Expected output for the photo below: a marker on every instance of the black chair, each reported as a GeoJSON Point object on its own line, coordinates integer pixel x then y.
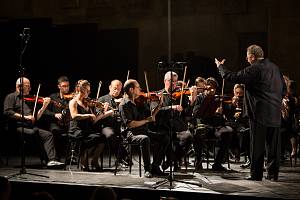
{"type": "Point", "coordinates": [74, 151]}
{"type": "Point", "coordinates": [209, 144]}
{"type": "Point", "coordinates": [130, 146]}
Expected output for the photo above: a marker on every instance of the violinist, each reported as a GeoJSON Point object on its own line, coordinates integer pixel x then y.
{"type": "Point", "coordinates": [171, 119]}
{"type": "Point", "coordinates": [207, 111]}
{"type": "Point", "coordinates": [13, 112]}
{"type": "Point", "coordinates": [111, 121]}
{"type": "Point", "coordinates": [136, 119]}
{"type": "Point", "coordinates": [82, 128]}
{"type": "Point", "coordinates": [58, 112]}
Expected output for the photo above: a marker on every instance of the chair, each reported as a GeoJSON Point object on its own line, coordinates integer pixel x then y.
{"type": "Point", "coordinates": [208, 144]}
{"type": "Point", "coordinates": [294, 164]}
{"type": "Point", "coordinates": [130, 145]}
{"type": "Point", "coordinates": [73, 153]}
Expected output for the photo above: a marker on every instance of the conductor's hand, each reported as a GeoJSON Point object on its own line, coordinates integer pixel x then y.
{"type": "Point", "coordinates": [218, 63]}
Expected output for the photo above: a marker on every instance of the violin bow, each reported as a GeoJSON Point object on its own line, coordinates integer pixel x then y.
{"type": "Point", "coordinates": [187, 84]}
{"type": "Point", "coordinates": [127, 75]}
{"type": "Point", "coordinates": [146, 81]}
{"type": "Point", "coordinates": [36, 99]}
{"type": "Point", "coordinates": [182, 86]}
{"type": "Point", "coordinates": [99, 86]}
{"type": "Point", "coordinates": [155, 111]}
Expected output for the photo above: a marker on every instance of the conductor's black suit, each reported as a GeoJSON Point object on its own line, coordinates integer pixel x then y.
{"type": "Point", "coordinates": [265, 88]}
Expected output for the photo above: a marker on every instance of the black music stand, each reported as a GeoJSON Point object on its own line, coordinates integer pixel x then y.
{"type": "Point", "coordinates": [25, 36]}
{"type": "Point", "coordinates": [170, 178]}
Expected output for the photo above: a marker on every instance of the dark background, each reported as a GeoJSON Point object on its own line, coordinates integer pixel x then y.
{"type": "Point", "coordinates": [103, 39]}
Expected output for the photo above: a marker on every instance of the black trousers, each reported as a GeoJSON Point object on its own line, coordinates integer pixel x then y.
{"type": "Point", "coordinates": [264, 138]}
{"type": "Point", "coordinates": [59, 137]}
{"type": "Point", "coordinates": [161, 142]}
{"type": "Point", "coordinates": [46, 138]}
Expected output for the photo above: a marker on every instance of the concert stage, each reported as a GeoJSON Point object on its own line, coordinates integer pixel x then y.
{"type": "Point", "coordinates": [74, 184]}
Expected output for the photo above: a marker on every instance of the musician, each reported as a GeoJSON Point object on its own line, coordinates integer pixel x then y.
{"type": "Point", "coordinates": [111, 121]}
{"type": "Point", "coordinates": [171, 120]}
{"type": "Point", "coordinates": [290, 114]}
{"type": "Point", "coordinates": [240, 124]}
{"type": "Point", "coordinates": [58, 112]}
{"type": "Point", "coordinates": [13, 112]}
{"type": "Point", "coordinates": [200, 84]}
{"type": "Point", "coordinates": [207, 111]}
{"type": "Point", "coordinates": [265, 88]}
{"type": "Point", "coordinates": [134, 116]}
{"type": "Point", "coordinates": [82, 127]}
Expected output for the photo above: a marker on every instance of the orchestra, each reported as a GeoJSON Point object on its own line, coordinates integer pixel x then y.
{"type": "Point", "coordinates": [184, 115]}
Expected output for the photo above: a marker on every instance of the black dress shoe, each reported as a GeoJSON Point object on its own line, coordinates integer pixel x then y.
{"type": "Point", "coordinates": [250, 178]}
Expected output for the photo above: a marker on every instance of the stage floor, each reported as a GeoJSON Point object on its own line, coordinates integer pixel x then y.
{"type": "Point", "coordinates": [225, 184]}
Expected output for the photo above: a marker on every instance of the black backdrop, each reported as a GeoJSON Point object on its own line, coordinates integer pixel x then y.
{"type": "Point", "coordinates": [79, 51]}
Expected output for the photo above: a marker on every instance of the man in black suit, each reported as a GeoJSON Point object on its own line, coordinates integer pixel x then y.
{"type": "Point", "coordinates": [265, 88]}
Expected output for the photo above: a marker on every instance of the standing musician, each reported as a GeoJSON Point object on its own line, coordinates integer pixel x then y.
{"type": "Point", "coordinates": [171, 119]}
{"type": "Point", "coordinates": [13, 112]}
{"type": "Point", "coordinates": [134, 116]}
{"type": "Point", "coordinates": [81, 126]}
{"type": "Point", "coordinates": [58, 110]}
{"type": "Point", "coordinates": [208, 112]}
{"type": "Point", "coordinates": [111, 121]}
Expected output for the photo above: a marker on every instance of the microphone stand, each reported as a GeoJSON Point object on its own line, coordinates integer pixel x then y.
{"type": "Point", "coordinates": [170, 178]}
{"type": "Point", "coordinates": [25, 38]}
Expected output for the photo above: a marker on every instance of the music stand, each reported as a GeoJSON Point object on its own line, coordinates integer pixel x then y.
{"type": "Point", "coordinates": [170, 178]}
{"type": "Point", "coordinates": [25, 36]}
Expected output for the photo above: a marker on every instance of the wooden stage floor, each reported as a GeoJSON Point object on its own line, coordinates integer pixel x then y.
{"type": "Point", "coordinates": [215, 185]}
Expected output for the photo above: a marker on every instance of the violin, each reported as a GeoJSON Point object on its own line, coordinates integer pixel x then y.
{"type": "Point", "coordinates": [146, 97]}
{"type": "Point", "coordinates": [40, 100]}
{"type": "Point", "coordinates": [93, 103]}
{"type": "Point", "coordinates": [186, 91]}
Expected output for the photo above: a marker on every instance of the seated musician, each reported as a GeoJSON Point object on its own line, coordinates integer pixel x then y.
{"type": "Point", "coordinates": [200, 84]}
{"type": "Point", "coordinates": [134, 116]}
{"type": "Point", "coordinates": [207, 111]}
{"type": "Point", "coordinates": [110, 123]}
{"type": "Point", "coordinates": [58, 113]}
{"type": "Point", "coordinates": [240, 124]}
{"type": "Point", "coordinates": [290, 116]}
{"type": "Point", "coordinates": [13, 111]}
{"type": "Point", "coordinates": [171, 120]}
{"type": "Point", "coordinates": [82, 127]}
